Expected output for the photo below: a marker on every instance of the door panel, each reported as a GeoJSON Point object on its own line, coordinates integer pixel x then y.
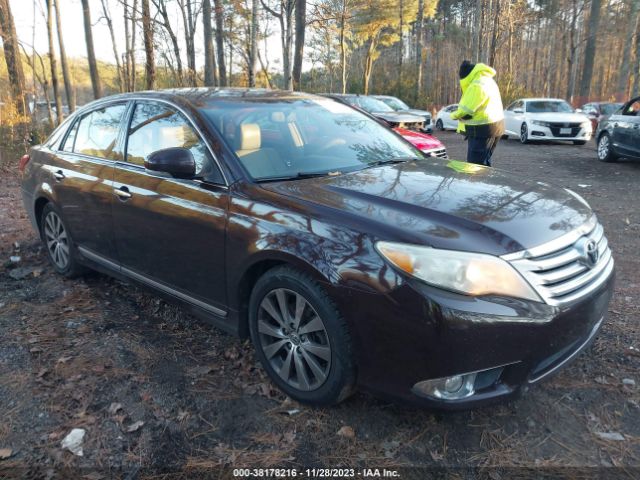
{"type": "Point", "coordinates": [83, 177]}
{"type": "Point", "coordinates": [170, 231]}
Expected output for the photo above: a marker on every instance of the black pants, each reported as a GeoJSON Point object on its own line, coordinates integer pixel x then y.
{"type": "Point", "coordinates": [480, 149]}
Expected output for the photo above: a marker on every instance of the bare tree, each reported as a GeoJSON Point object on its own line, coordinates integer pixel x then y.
{"type": "Point", "coordinates": [219, 14]}
{"type": "Point", "coordinates": [12, 55]}
{"type": "Point", "coordinates": [623, 74]}
{"type": "Point", "coordinates": [284, 15]}
{"type": "Point", "coordinates": [189, 20]}
{"type": "Point", "coordinates": [107, 16]}
{"type": "Point", "coordinates": [161, 6]}
{"type": "Point", "coordinates": [91, 56]}
{"type": "Point", "coordinates": [66, 76]}
{"type": "Point", "coordinates": [253, 43]}
{"type": "Point", "coordinates": [53, 63]}
{"type": "Point", "coordinates": [147, 33]}
{"type": "Point", "coordinates": [590, 50]}
{"type": "Point", "coordinates": [210, 77]}
{"type": "Point", "coordinates": [301, 26]}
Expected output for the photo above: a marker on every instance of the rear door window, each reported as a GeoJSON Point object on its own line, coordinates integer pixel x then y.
{"type": "Point", "coordinates": [97, 133]}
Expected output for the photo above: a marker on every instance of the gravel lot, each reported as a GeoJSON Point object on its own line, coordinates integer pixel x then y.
{"type": "Point", "coordinates": [158, 392]}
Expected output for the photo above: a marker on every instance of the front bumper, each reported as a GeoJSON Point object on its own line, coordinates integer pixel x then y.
{"type": "Point", "coordinates": [538, 132]}
{"type": "Point", "coordinates": [419, 333]}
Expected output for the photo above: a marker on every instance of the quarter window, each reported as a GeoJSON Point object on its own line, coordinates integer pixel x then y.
{"type": "Point", "coordinates": [156, 127]}
{"type": "Point", "coordinates": [97, 133]}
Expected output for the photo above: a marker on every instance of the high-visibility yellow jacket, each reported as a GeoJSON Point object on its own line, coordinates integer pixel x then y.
{"type": "Point", "coordinates": [480, 112]}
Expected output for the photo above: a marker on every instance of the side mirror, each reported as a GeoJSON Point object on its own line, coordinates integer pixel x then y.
{"type": "Point", "coordinates": [177, 161]}
{"type": "Point", "coordinates": [518, 110]}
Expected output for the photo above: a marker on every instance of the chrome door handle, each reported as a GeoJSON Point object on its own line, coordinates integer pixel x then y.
{"type": "Point", "coordinates": [122, 193]}
{"type": "Point", "coordinates": [59, 175]}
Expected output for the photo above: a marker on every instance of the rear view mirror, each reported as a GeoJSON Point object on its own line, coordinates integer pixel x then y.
{"type": "Point", "coordinates": [177, 161]}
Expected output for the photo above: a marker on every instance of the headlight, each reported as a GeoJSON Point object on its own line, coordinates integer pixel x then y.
{"type": "Point", "coordinates": [463, 272]}
{"type": "Point", "coordinates": [586, 126]}
{"type": "Point", "coordinates": [538, 122]}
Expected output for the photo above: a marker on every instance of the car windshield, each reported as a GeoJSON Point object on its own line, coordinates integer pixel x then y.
{"type": "Point", "coordinates": [610, 108]}
{"type": "Point", "coordinates": [296, 137]}
{"type": "Point", "coordinates": [395, 103]}
{"type": "Point", "coordinates": [369, 104]}
{"type": "Point", "coordinates": [549, 106]}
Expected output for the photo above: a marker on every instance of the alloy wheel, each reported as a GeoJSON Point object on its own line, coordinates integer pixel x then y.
{"type": "Point", "coordinates": [56, 240]}
{"type": "Point", "coordinates": [524, 134]}
{"type": "Point", "coordinates": [294, 339]}
{"type": "Point", "coordinates": [603, 147]}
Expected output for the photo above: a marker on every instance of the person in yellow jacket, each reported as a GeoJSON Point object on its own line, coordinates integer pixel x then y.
{"type": "Point", "coordinates": [480, 113]}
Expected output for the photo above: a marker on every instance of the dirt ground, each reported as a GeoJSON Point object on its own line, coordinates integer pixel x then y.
{"type": "Point", "coordinates": [159, 393]}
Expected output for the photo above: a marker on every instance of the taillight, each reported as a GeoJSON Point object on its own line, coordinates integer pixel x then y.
{"type": "Point", "coordinates": [23, 162]}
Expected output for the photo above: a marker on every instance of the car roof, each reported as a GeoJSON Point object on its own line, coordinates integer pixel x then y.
{"type": "Point", "coordinates": [542, 99]}
{"type": "Point", "coordinates": [199, 95]}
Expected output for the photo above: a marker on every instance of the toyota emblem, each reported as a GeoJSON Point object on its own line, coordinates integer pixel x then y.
{"type": "Point", "coordinates": [591, 253]}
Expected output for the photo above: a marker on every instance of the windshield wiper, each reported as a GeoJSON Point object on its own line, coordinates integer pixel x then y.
{"type": "Point", "coordinates": [391, 161]}
{"type": "Point", "coordinates": [297, 176]}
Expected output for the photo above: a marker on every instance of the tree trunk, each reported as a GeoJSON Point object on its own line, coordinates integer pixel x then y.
{"type": "Point", "coordinates": [253, 43]}
{"type": "Point", "coordinates": [418, 52]}
{"type": "Point", "coordinates": [636, 68]}
{"type": "Point", "coordinates": [623, 74]}
{"type": "Point", "coordinates": [343, 46]}
{"type": "Point", "coordinates": [590, 51]}
{"type": "Point", "coordinates": [301, 20]}
{"type": "Point", "coordinates": [161, 6]}
{"type": "Point", "coordinates": [368, 65]}
{"type": "Point", "coordinates": [12, 55]}
{"type": "Point", "coordinates": [132, 47]}
{"type": "Point", "coordinates": [400, 48]}
{"type": "Point", "coordinates": [147, 33]}
{"type": "Point", "coordinates": [91, 56]}
{"type": "Point", "coordinates": [209, 57]}
{"type": "Point", "coordinates": [66, 76]}
{"type": "Point", "coordinates": [53, 63]}
{"type": "Point", "coordinates": [219, 14]}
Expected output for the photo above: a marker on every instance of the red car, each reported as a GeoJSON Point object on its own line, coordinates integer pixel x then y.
{"type": "Point", "coordinates": [426, 143]}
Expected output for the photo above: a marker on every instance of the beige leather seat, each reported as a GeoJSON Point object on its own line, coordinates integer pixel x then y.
{"type": "Point", "coordinates": [261, 162]}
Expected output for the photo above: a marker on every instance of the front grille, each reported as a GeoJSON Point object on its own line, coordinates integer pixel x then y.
{"type": "Point", "coordinates": [412, 125]}
{"type": "Point", "coordinates": [437, 152]}
{"type": "Point", "coordinates": [556, 126]}
{"type": "Point", "coordinates": [561, 271]}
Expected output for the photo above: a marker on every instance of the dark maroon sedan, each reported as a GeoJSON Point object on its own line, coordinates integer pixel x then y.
{"type": "Point", "coordinates": [347, 256]}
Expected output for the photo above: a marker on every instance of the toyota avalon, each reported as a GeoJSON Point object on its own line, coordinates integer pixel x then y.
{"type": "Point", "coordinates": [349, 258]}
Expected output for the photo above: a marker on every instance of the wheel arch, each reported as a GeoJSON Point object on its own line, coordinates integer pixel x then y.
{"type": "Point", "coordinates": [260, 264]}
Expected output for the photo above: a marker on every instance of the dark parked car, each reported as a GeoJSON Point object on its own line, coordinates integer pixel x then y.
{"type": "Point", "coordinates": [381, 111]}
{"type": "Point", "coordinates": [399, 106]}
{"type": "Point", "coordinates": [599, 111]}
{"type": "Point", "coordinates": [348, 257]}
{"type": "Point", "coordinates": [619, 135]}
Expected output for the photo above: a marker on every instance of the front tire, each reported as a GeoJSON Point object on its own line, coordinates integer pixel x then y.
{"type": "Point", "coordinates": [58, 243]}
{"type": "Point", "coordinates": [439, 125]}
{"type": "Point", "coordinates": [524, 134]}
{"type": "Point", "coordinates": [300, 338]}
{"type": "Point", "coordinates": [605, 150]}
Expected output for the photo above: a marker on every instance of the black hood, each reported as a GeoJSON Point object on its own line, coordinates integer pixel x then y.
{"type": "Point", "coordinates": [452, 205]}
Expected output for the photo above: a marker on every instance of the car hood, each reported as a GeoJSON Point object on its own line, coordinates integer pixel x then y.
{"type": "Point", "coordinates": [398, 117]}
{"type": "Point", "coordinates": [420, 113]}
{"type": "Point", "coordinates": [560, 117]}
{"type": "Point", "coordinates": [444, 204]}
{"type": "Point", "coordinates": [422, 141]}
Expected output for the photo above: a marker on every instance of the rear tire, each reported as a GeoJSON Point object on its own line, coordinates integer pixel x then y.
{"type": "Point", "coordinates": [300, 338]}
{"type": "Point", "coordinates": [605, 150]}
{"type": "Point", "coordinates": [524, 134]}
{"type": "Point", "coordinates": [439, 125]}
{"type": "Point", "coordinates": [58, 243]}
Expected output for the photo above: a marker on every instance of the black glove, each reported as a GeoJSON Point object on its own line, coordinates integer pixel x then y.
{"type": "Point", "coordinates": [467, 117]}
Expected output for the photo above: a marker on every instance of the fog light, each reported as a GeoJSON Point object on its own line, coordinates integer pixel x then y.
{"type": "Point", "coordinates": [448, 388]}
